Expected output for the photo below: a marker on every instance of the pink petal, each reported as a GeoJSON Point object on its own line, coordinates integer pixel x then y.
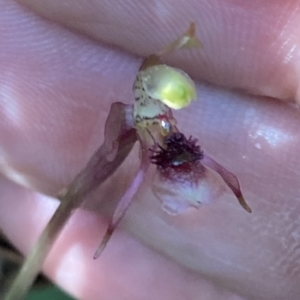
{"type": "Point", "coordinates": [229, 178]}
{"type": "Point", "coordinates": [120, 136]}
{"type": "Point", "coordinates": [179, 190]}
{"type": "Point", "coordinates": [125, 201]}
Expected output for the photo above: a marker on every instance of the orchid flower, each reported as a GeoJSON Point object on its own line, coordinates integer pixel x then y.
{"type": "Point", "coordinates": [185, 177]}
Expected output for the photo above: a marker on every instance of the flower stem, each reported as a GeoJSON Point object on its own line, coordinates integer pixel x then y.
{"type": "Point", "coordinates": [120, 137]}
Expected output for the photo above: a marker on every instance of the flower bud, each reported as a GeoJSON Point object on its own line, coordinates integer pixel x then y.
{"type": "Point", "coordinates": [171, 86]}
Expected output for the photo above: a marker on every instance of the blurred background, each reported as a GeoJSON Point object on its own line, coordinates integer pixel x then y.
{"type": "Point", "coordinates": [10, 262]}
{"type": "Point", "coordinates": [51, 292]}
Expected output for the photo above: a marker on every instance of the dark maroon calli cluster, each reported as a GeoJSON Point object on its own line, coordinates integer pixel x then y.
{"type": "Point", "coordinates": [178, 151]}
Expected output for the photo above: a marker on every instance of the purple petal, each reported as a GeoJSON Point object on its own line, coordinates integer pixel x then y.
{"type": "Point", "coordinates": [125, 201]}
{"type": "Point", "coordinates": [180, 187]}
{"type": "Point", "coordinates": [120, 136]}
{"type": "Point", "coordinates": [230, 179]}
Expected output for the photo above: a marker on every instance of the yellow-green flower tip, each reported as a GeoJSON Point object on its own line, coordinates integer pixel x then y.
{"type": "Point", "coordinates": [170, 85]}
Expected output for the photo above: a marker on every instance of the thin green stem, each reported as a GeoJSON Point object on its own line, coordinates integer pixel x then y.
{"type": "Point", "coordinates": [119, 139]}
{"type": "Point", "coordinates": [37, 256]}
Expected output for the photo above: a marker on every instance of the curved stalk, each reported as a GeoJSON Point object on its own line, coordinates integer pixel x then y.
{"type": "Point", "coordinates": [119, 138]}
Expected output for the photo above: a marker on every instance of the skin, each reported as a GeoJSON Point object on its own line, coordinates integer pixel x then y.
{"type": "Point", "coordinates": [56, 86]}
